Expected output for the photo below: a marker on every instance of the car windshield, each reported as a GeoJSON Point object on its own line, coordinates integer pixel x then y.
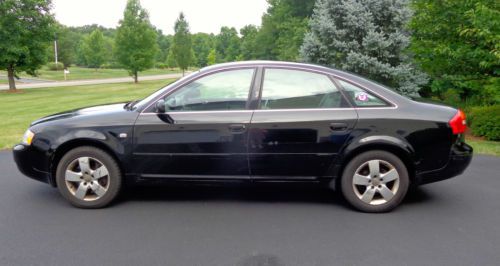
{"type": "Point", "coordinates": [146, 100]}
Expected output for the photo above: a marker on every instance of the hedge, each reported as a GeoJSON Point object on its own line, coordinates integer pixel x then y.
{"type": "Point", "coordinates": [485, 122]}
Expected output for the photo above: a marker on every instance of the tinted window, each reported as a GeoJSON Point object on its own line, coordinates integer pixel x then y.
{"type": "Point", "coordinates": [294, 89]}
{"type": "Point", "coordinates": [221, 91]}
{"type": "Point", "coordinates": [359, 96]}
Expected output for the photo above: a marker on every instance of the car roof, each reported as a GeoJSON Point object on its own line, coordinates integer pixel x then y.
{"type": "Point", "coordinates": [266, 63]}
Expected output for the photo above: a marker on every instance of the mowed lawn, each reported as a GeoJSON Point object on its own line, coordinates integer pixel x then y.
{"type": "Point", "coordinates": [80, 73]}
{"type": "Point", "coordinates": [18, 110]}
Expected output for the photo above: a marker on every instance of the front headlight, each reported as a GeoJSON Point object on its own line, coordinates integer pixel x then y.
{"type": "Point", "coordinates": [28, 137]}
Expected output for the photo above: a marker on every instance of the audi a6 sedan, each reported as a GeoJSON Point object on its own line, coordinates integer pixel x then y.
{"type": "Point", "coordinates": [252, 122]}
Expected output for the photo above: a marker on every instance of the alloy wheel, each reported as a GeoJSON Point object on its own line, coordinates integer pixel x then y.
{"type": "Point", "coordinates": [376, 182]}
{"type": "Point", "coordinates": [87, 178]}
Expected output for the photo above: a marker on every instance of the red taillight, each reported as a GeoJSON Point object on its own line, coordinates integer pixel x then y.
{"type": "Point", "coordinates": [458, 123]}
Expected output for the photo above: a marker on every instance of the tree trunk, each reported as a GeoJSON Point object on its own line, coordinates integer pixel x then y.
{"type": "Point", "coordinates": [183, 70]}
{"type": "Point", "coordinates": [12, 82]}
{"type": "Point", "coordinates": [136, 79]}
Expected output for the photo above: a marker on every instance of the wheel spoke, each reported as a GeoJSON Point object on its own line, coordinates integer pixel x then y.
{"type": "Point", "coordinates": [386, 193]}
{"type": "Point", "coordinates": [361, 180]}
{"type": "Point", "coordinates": [73, 176]}
{"type": "Point", "coordinates": [81, 191]}
{"type": "Point", "coordinates": [98, 189]}
{"type": "Point", "coordinates": [83, 162]}
{"type": "Point", "coordinates": [100, 172]}
{"type": "Point", "coordinates": [390, 176]}
{"type": "Point", "coordinates": [368, 195]}
{"type": "Point", "coordinates": [374, 166]}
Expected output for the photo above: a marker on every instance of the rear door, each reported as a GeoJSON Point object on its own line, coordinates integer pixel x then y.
{"type": "Point", "coordinates": [299, 126]}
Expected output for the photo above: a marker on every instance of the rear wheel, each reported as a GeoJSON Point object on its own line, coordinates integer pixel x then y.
{"type": "Point", "coordinates": [88, 177]}
{"type": "Point", "coordinates": [375, 181]}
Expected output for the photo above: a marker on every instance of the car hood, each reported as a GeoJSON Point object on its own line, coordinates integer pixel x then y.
{"type": "Point", "coordinates": [93, 110]}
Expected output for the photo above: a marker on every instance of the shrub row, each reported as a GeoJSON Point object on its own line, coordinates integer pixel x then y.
{"type": "Point", "coordinates": [485, 121]}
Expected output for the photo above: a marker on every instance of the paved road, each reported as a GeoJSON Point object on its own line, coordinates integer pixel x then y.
{"type": "Point", "coordinates": [26, 80]}
{"type": "Point", "coordinates": [455, 222]}
{"type": "Point", "coordinates": [89, 82]}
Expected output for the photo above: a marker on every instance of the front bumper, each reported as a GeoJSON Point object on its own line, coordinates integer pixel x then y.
{"type": "Point", "coordinates": [460, 158]}
{"type": "Point", "coordinates": [29, 161]}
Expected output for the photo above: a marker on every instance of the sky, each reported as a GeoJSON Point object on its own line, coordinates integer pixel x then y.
{"type": "Point", "coordinates": [203, 15]}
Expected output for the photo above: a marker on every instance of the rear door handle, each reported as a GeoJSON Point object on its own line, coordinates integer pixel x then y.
{"type": "Point", "coordinates": [338, 126]}
{"type": "Point", "coordinates": [237, 128]}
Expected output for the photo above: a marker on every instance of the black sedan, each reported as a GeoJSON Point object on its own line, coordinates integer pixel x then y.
{"type": "Point", "coordinates": [252, 122]}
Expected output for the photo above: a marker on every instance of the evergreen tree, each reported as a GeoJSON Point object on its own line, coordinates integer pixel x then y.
{"type": "Point", "coordinates": [135, 41]}
{"type": "Point", "coordinates": [26, 32]}
{"type": "Point", "coordinates": [182, 49]}
{"type": "Point", "coordinates": [94, 49]}
{"type": "Point", "coordinates": [368, 37]}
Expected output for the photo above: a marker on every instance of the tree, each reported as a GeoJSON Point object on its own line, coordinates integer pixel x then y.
{"type": "Point", "coordinates": [202, 45]}
{"type": "Point", "coordinates": [212, 57]}
{"type": "Point", "coordinates": [164, 43]}
{"type": "Point", "coordinates": [458, 45]}
{"type": "Point", "coordinates": [367, 37]}
{"type": "Point", "coordinates": [94, 49]}
{"type": "Point", "coordinates": [135, 42]}
{"type": "Point", "coordinates": [249, 43]}
{"type": "Point", "coordinates": [67, 43]}
{"type": "Point", "coordinates": [283, 28]}
{"type": "Point", "coordinates": [26, 31]}
{"type": "Point", "coordinates": [227, 44]}
{"type": "Point", "coordinates": [171, 63]}
{"type": "Point", "coordinates": [182, 49]}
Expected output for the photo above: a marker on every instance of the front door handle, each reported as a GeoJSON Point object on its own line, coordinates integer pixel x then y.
{"type": "Point", "coordinates": [338, 126]}
{"type": "Point", "coordinates": [237, 128]}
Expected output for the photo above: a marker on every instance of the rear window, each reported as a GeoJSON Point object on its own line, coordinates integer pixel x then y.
{"type": "Point", "coordinates": [360, 97]}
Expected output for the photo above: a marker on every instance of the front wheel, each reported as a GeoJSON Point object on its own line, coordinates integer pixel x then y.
{"type": "Point", "coordinates": [375, 181]}
{"type": "Point", "coordinates": [88, 177]}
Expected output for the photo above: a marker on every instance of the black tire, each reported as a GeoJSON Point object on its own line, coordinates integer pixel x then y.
{"type": "Point", "coordinates": [348, 189]}
{"type": "Point", "coordinates": [114, 176]}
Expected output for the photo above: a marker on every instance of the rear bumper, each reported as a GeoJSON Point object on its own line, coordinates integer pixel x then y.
{"type": "Point", "coordinates": [460, 158]}
{"type": "Point", "coordinates": [27, 159]}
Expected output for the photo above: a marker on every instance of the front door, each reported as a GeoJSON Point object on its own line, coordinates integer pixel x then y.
{"type": "Point", "coordinates": [299, 127]}
{"type": "Point", "coordinates": [202, 134]}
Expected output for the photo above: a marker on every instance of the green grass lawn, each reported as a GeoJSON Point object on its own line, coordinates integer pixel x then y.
{"type": "Point", "coordinates": [485, 147]}
{"type": "Point", "coordinates": [18, 110]}
{"type": "Point", "coordinates": [80, 73]}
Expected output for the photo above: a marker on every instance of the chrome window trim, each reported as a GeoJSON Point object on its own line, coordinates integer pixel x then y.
{"type": "Point", "coordinates": [273, 110]}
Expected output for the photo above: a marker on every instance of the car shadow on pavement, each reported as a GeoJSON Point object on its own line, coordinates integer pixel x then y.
{"type": "Point", "coordinates": [271, 193]}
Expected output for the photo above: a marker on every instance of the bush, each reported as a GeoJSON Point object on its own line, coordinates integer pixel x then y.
{"type": "Point", "coordinates": [161, 65]}
{"type": "Point", "coordinates": [55, 67]}
{"type": "Point", "coordinates": [485, 122]}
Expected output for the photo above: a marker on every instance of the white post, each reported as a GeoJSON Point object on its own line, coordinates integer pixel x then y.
{"type": "Point", "coordinates": [55, 49]}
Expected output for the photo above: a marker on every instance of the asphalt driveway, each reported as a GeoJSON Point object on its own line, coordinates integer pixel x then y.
{"type": "Point", "coordinates": [455, 222]}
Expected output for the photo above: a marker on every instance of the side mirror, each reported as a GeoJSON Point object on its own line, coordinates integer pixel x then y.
{"type": "Point", "coordinates": [160, 106]}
